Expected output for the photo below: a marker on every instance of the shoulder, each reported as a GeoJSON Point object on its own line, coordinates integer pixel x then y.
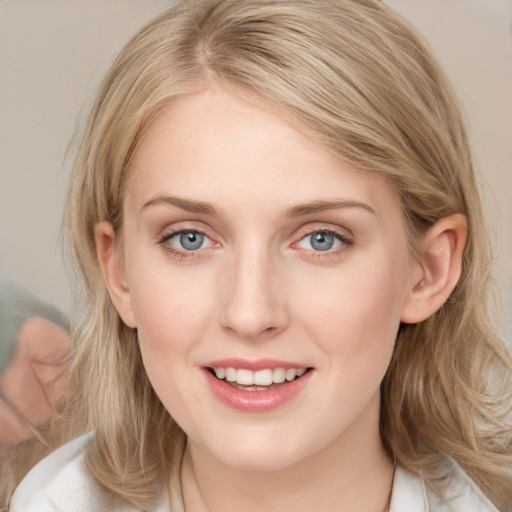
{"type": "Point", "coordinates": [411, 494]}
{"type": "Point", "coordinates": [58, 483]}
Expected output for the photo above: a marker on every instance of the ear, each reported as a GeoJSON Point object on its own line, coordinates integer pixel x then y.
{"type": "Point", "coordinates": [437, 270]}
{"type": "Point", "coordinates": [113, 271]}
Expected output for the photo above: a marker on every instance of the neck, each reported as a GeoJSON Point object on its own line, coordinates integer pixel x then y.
{"type": "Point", "coordinates": [352, 473]}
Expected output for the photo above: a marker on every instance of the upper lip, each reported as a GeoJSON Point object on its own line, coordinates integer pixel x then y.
{"type": "Point", "coordinates": [259, 364]}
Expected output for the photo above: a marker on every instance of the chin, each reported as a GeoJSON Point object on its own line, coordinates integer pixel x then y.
{"type": "Point", "coordinates": [259, 451]}
{"type": "Point", "coordinates": [256, 460]}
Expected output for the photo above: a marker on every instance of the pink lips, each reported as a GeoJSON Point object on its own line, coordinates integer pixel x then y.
{"type": "Point", "coordinates": [254, 401]}
{"type": "Point", "coordinates": [260, 364]}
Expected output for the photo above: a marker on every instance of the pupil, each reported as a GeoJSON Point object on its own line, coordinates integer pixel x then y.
{"type": "Point", "coordinates": [322, 241]}
{"type": "Point", "coordinates": [191, 240]}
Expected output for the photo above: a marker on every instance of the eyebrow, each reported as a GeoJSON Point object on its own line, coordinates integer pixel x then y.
{"type": "Point", "coordinates": [320, 206]}
{"type": "Point", "coordinates": [183, 204]}
{"type": "Point", "coordinates": [297, 211]}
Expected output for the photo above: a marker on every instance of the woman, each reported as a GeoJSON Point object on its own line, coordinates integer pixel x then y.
{"type": "Point", "coordinates": [275, 217]}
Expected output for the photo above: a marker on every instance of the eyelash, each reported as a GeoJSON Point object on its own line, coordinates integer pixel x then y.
{"type": "Point", "coordinates": [179, 255]}
{"type": "Point", "coordinates": [345, 242]}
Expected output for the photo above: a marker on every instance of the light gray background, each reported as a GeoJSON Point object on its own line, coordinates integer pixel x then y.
{"type": "Point", "coordinates": [53, 54]}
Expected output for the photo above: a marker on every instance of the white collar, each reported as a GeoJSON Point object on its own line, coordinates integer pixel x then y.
{"type": "Point", "coordinates": [60, 482]}
{"type": "Point", "coordinates": [409, 494]}
{"type": "Point", "coordinates": [459, 493]}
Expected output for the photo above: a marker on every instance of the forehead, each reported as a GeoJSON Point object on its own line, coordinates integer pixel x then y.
{"type": "Point", "coordinates": [214, 146]}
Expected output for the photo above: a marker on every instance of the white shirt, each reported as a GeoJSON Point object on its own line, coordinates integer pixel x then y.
{"type": "Point", "coordinates": [60, 483]}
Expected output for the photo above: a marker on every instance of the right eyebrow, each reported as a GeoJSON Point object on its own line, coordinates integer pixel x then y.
{"type": "Point", "coordinates": [320, 206]}
{"type": "Point", "coordinates": [182, 203]}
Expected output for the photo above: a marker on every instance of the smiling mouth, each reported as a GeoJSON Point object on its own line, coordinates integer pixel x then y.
{"type": "Point", "coordinates": [260, 380]}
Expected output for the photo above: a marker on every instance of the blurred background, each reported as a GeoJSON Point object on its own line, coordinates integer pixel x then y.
{"type": "Point", "coordinates": [53, 54]}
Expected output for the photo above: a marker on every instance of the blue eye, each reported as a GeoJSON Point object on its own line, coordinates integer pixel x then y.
{"type": "Point", "coordinates": [186, 244]}
{"type": "Point", "coordinates": [322, 241]}
{"type": "Point", "coordinates": [188, 240]}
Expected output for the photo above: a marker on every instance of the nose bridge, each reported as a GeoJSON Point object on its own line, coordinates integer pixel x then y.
{"type": "Point", "coordinates": [253, 304]}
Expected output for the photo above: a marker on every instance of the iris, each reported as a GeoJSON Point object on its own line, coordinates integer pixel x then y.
{"type": "Point", "coordinates": [322, 241]}
{"type": "Point", "coordinates": [191, 240]}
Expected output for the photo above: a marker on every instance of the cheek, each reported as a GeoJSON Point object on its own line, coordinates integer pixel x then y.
{"type": "Point", "coordinates": [165, 299]}
{"type": "Point", "coordinates": [355, 314]}
{"type": "Point", "coordinates": [167, 332]}
{"type": "Point", "coordinates": [167, 323]}
{"type": "Point", "coordinates": [361, 296]}
{"type": "Point", "coordinates": [172, 313]}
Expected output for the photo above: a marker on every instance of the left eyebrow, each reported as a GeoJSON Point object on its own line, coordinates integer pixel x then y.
{"type": "Point", "coordinates": [320, 206]}
{"type": "Point", "coordinates": [182, 203]}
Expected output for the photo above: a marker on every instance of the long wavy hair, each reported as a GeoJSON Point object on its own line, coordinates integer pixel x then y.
{"type": "Point", "coordinates": [356, 77]}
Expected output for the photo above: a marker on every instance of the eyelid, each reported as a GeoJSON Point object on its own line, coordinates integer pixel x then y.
{"type": "Point", "coordinates": [165, 235]}
{"type": "Point", "coordinates": [177, 227]}
{"type": "Point", "coordinates": [341, 233]}
{"type": "Point", "coordinates": [346, 241]}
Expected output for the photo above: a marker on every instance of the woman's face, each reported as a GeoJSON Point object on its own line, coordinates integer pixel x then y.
{"type": "Point", "coordinates": [251, 255]}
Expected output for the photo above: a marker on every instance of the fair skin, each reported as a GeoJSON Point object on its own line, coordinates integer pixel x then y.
{"type": "Point", "coordinates": [244, 239]}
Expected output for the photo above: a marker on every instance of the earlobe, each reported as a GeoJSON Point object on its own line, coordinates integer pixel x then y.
{"type": "Point", "coordinates": [113, 271]}
{"type": "Point", "coordinates": [438, 268]}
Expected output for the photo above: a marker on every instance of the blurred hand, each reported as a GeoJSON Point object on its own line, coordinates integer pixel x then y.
{"type": "Point", "coordinates": [35, 381]}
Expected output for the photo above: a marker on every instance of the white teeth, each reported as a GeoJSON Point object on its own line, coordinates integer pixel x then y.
{"type": "Point", "coordinates": [279, 375]}
{"type": "Point", "coordinates": [220, 372]}
{"type": "Point", "coordinates": [245, 377]}
{"type": "Point", "coordinates": [231, 374]}
{"type": "Point", "coordinates": [265, 377]}
{"type": "Point", "coordinates": [291, 373]}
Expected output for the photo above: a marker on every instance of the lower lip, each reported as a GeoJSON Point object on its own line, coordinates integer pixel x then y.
{"type": "Point", "coordinates": [256, 401]}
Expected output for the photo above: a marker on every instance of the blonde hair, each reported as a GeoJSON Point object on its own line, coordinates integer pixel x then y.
{"type": "Point", "coordinates": [355, 77]}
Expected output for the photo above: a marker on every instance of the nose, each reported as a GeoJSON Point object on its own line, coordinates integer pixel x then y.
{"type": "Point", "coordinates": [254, 302]}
